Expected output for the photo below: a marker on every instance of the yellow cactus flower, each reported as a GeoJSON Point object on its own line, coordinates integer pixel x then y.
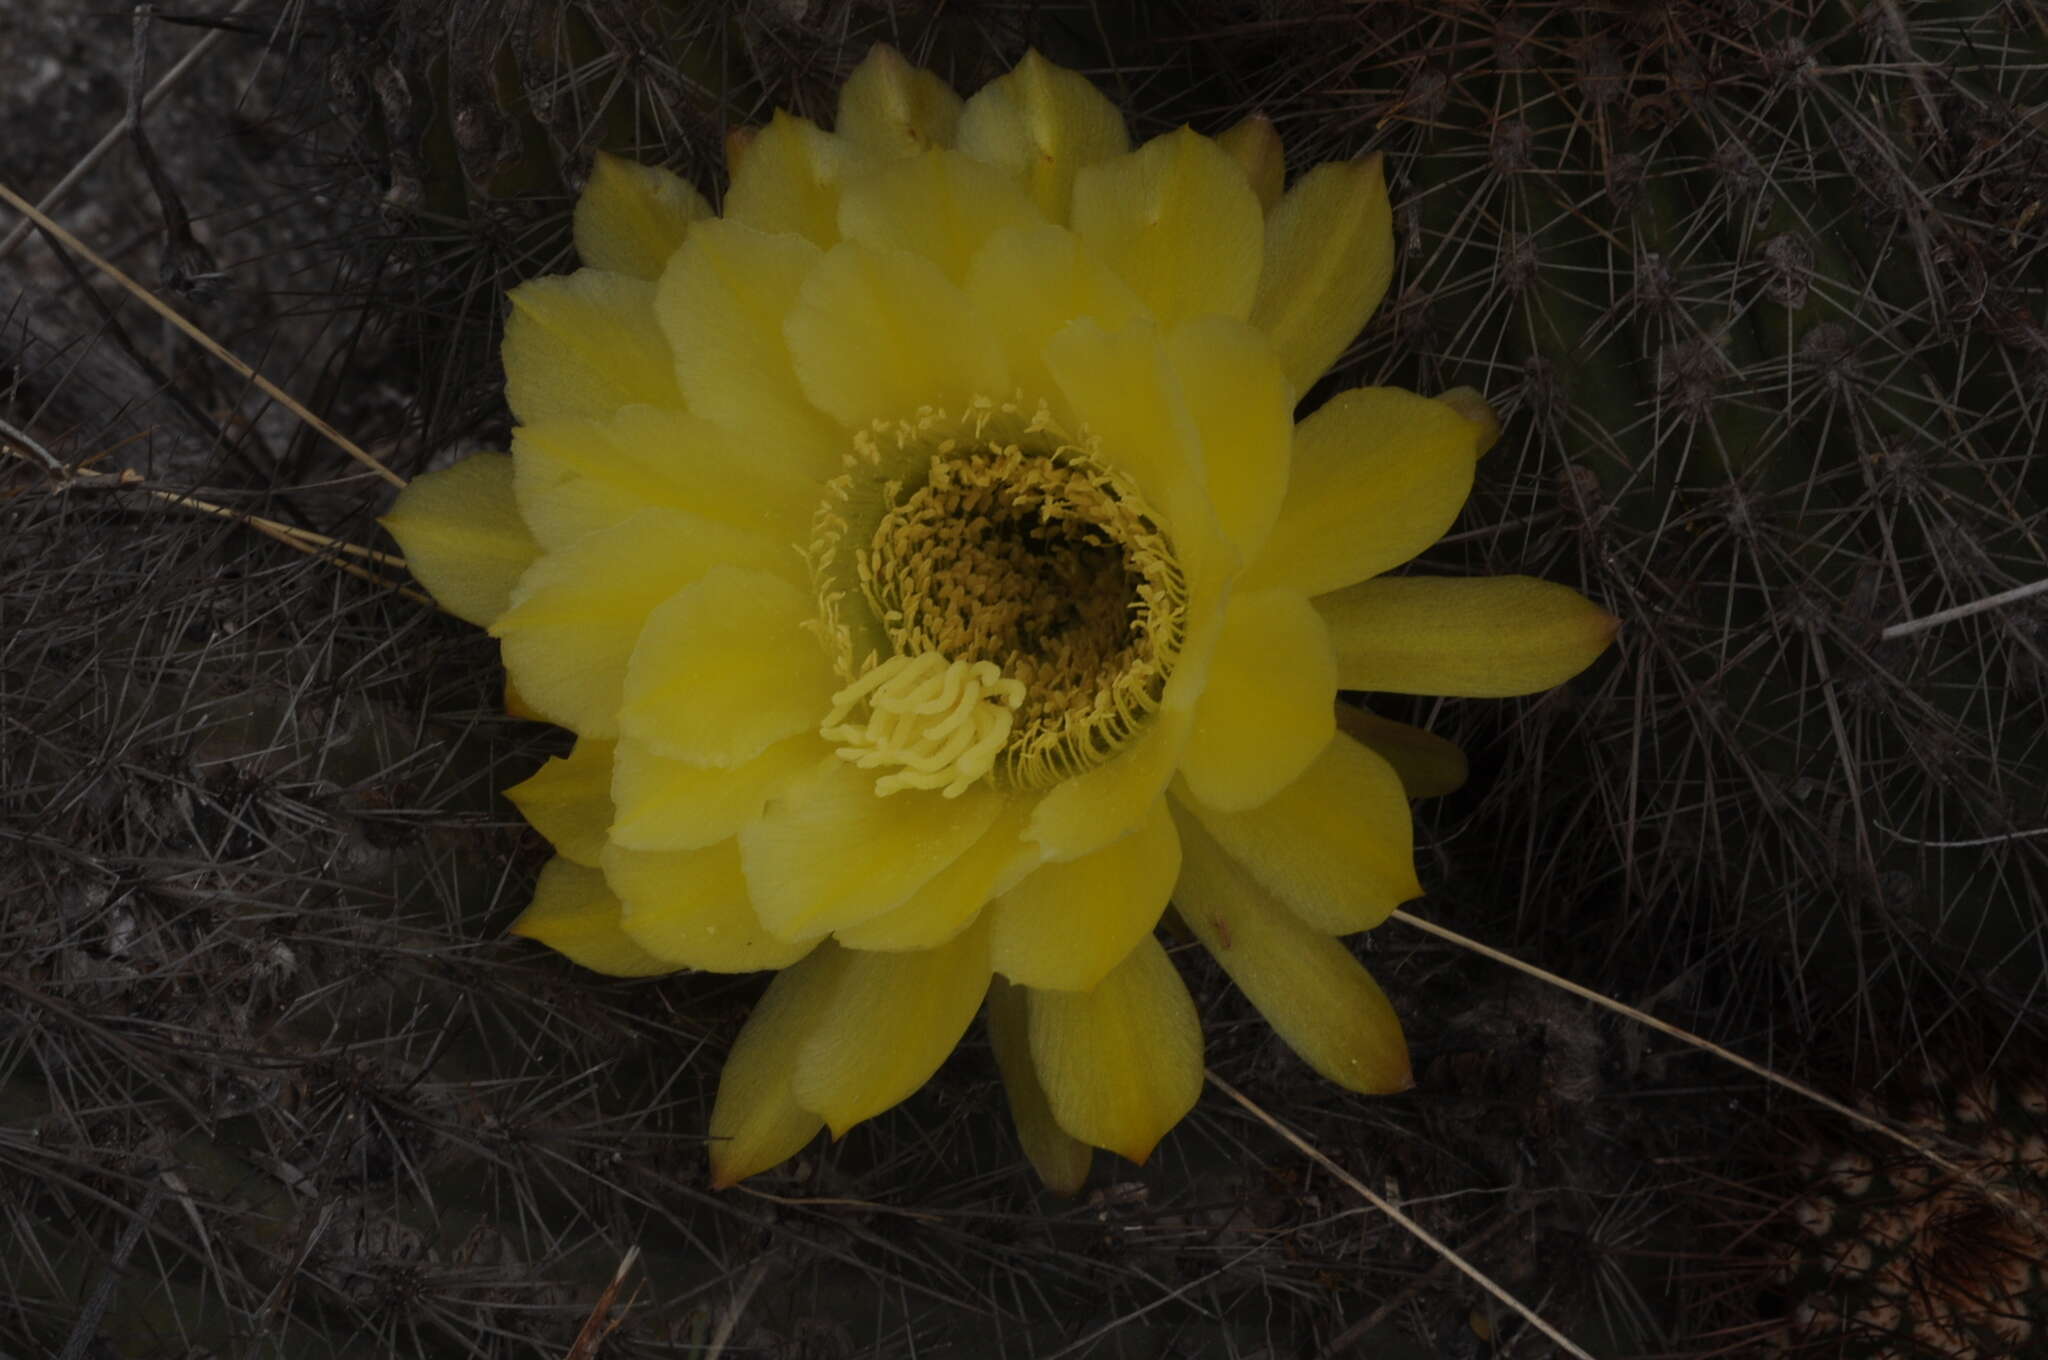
{"type": "Point", "coordinates": [926, 557]}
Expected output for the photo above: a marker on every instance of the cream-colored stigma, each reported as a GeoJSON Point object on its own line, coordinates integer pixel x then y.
{"type": "Point", "coordinates": [941, 723]}
{"type": "Point", "coordinates": [1001, 599]}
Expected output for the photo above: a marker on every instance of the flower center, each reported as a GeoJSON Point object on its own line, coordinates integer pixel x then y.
{"type": "Point", "coordinates": [999, 600]}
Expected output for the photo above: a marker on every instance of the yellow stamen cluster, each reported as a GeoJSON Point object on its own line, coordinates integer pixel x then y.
{"type": "Point", "coordinates": [992, 551]}
{"type": "Point", "coordinates": [942, 723]}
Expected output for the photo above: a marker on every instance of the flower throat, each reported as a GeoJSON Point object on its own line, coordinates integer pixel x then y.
{"type": "Point", "coordinates": [999, 601]}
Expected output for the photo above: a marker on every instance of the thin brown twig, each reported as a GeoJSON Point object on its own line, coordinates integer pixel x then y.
{"type": "Point", "coordinates": [1409, 1225]}
{"type": "Point", "coordinates": [817, 1202]}
{"type": "Point", "coordinates": [303, 540]}
{"type": "Point", "coordinates": [1964, 611]}
{"type": "Point", "coordinates": [198, 336]}
{"type": "Point", "coordinates": [601, 1324]}
{"type": "Point", "coordinates": [1344, 1340]}
{"type": "Point", "coordinates": [1849, 1112]}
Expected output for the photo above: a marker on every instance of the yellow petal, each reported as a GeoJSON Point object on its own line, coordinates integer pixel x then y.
{"type": "Point", "coordinates": [1042, 123]}
{"type": "Point", "coordinates": [889, 108]}
{"type": "Point", "coordinates": [574, 477]}
{"type": "Point", "coordinates": [569, 800]}
{"type": "Point", "coordinates": [585, 344]}
{"type": "Point", "coordinates": [1311, 990]}
{"type": "Point", "coordinates": [575, 914]}
{"type": "Point", "coordinates": [462, 536]}
{"type": "Point", "coordinates": [941, 205]}
{"type": "Point", "coordinates": [1470, 403]}
{"type": "Point", "coordinates": [1428, 765]}
{"type": "Point", "coordinates": [725, 669]}
{"type": "Point", "coordinates": [828, 852]}
{"type": "Point", "coordinates": [951, 899]}
{"type": "Point", "coordinates": [1337, 846]}
{"type": "Point", "coordinates": [1265, 713]}
{"type": "Point", "coordinates": [721, 303]}
{"type": "Point", "coordinates": [1479, 637]}
{"type": "Point", "coordinates": [1244, 409]}
{"type": "Point", "coordinates": [1091, 810]}
{"type": "Point", "coordinates": [1177, 221]}
{"type": "Point", "coordinates": [877, 335]}
{"type": "Point", "coordinates": [1031, 281]}
{"type": "Point", "coordinates": [1123, 1063]}
{"type": "Point", "coordinates": [665, 804]}
{"type": "Point", "coordinates": [1255, 146]}
{"type": "Point", "coordinates": [1120, 385]}
{"type": "Point", "coordinates": [1060, 1159]}
{"type": "Point", "coordinates": [631, 217]}
{"type": "Point", "coordinates": [577, 613]}
{"type": "Point", "coordinates": [756, 1122]}
{"type": "Point", "coordinates": [789, 179]}
{"type": "Point", "coordinates": [516, 707]}
{"type": "Point", "coordinates": [690, 907]}
{"type": "Point", "coordinates": [1329, 251]}
{"type": "Point", "coordinates": [1378, 475]}
{"type": "Point", "coordinates": [1066, 925]}
{"type": "Point", "coordinates": [890, 1022]}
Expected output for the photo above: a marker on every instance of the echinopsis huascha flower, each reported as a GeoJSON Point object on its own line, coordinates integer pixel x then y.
{"type": "Point", "coordinates": [925, 555]}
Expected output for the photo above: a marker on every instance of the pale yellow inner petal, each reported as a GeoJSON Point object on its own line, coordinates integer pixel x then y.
{"type": "Point", "coordinates": [1120, 385]}
{"type": "Point", "coordinates": [574, 477]}
{"type": "Point", "coordinates": [892, 1019]}
{"type": "Point", "coordinates": [1254, 144]}
{"type": "Point", "coordinates": [463, 536]}
{"type": "Point", "coordinates": [1178, 222]}
{"type": "Point", "coordinates": [1043, 123]}
{"type": "Point", "coordinates": [1243, 407]}
{"type": "Point", "coordinates": [691, 908]}
{"type": "Point", "coordinates": [725, 669]}
{"type": "Point", "coordinates": [585, 344]}
{"type": "Point", "coordinates": [721, 303]}
{"type": "Point", "coordinates": [756, 1121]}
{"type": "Point", "coordinates": [568, 800]}
{"type": "Point", "coordinates": [1060, 1159]}
{"type": "Point", "coordinates": [1105, 804]}
{"type": "Point", "coordinates": [577, 613]}
{"type": "Point", "coordinates": [828, 853]}
{"type": "Point", "coordinates": [1379, 474]}
{"type": "Point", "coordinates": [1265, 713]}
{"type": "Point", "coordinates": [575, 914]}
{"type": "Point", "coordinates": [939, 204]}
{"type": "Point", "coordinates": [1066, 925]}
{"type": "Point", "coordinates": [788, 180]}
{"type": "Point", "coordinates": [951, 899]}
{"type": "Point", "coordinates": [876, 334]}
{"type": "Point", "coordinates": [665, 804]}
{"type": "Point", "coordinates": [1030, 281]}
{"type": "Point", "coordinates": [889, 108]}
{"type": "Point", "coordinates": [1311, 990]}
{"type": "Point", "coordinates": [1329, 251]}
{"type": "Point", "coordinates": [1121, 1064]}
{"type": "Point", "coordinates": [1336, 845]}
{"type": "Point", "coordinates": [631, 217]}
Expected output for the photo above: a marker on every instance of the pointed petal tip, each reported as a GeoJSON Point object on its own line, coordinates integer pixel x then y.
{"type": "Point", "coordinates": [1470, 403]}
{"type": "Point", "coordinates": [724, 1175]}
{"type": "Point", "coordinates": [1137, 1154]}
{"type": "Point", "coordinates": [737, 143]}
{"type": "Point", "coordinates": [1384, 1074]}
